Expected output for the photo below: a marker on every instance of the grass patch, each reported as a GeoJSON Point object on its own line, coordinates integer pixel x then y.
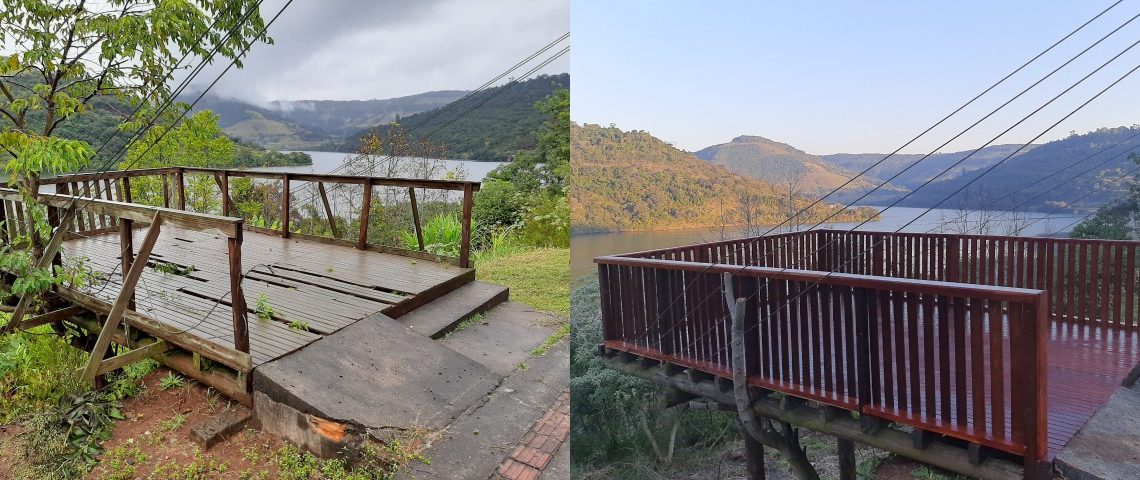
{"type": "Point", "coordinates": [170, 381]}
{"type": "Point", "coordinates": [552, 340]}
{"type": "Point", "coordinates": [538, 277]}
{"type": "Point", "coordinates": [464, 325]}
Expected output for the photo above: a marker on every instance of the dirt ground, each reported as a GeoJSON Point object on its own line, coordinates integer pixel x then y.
{"type": "Point", "coordinates": [154, 441]}
{"type": "Point", "coordinates": [870, 464]}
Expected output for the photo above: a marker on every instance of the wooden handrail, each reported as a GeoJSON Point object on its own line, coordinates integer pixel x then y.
{"type": "Point", "coordinates": [228, 226]}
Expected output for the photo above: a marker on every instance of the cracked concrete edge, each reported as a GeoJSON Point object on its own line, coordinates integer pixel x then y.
{"type": "Point", "coordinates": [533, 390]}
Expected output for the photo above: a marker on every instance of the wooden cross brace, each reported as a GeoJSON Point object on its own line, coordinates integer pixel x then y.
{"type": "Point", "coordinates": [97, 365]}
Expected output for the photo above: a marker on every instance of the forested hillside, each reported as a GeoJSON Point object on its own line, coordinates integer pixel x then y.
{"type": "Point", "coordinates": [776, 162]}
{"type": "Point", "coordinates": [634, 181]}
{"type": "Point", "coordinates": [1061, 192]}
{"type": "Point", "coordinates": [494, 131]}
{"type": "Point", "coordinates": [304, 124]}
{"type": "Point", "coordinates": [924, 170]}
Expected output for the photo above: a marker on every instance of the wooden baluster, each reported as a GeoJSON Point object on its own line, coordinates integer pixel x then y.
{"type": "Point", "coordinates": [127, 196]}
{"type": "Point", "coordinates": [365, 208]}
{"type": "Point", "coordinates": [237, 295]}
{"type": "Point", "coordinates": [110, 195]}
{"type": "Point", "coordinates": [416, 217]}
{"type": "Point", "coordinates": [285, 205]}
{"type": "Point", "coordinates": [465, 240]}
{"type": "Point", "coordinates": [328, 210]}
{"type": "Point", "coordinates": [165, 190]}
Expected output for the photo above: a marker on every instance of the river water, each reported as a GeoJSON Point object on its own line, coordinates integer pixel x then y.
{"type": "Point", "coordinates": [584, 247]}
{"type": "Point", "coordinates": [325, 162]}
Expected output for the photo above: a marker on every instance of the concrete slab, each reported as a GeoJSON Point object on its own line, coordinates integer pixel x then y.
{"type": "Point", "coordinates": [440, 316]}
{"type": "Point", "coordinates": [478, 442]}
{"type": "Point", "coordinates": [1108, 446]}
{"type": "Point", "coordinates": [377, 374]}
{"type": "Point", "coordinates": [505, 337]}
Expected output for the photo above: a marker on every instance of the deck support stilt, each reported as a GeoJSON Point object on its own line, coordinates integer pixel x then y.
{"type": "Point", "coordinates": [846, 450]}
{"type": "Point", "coordinates": [120, 306]}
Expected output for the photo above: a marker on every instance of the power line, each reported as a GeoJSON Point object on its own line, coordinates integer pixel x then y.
{"type": "Point", "coordinates": [674, 301]}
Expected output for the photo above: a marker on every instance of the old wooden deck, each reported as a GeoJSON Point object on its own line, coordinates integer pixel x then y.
{"type": "Point", "coordinates": [318, 286]}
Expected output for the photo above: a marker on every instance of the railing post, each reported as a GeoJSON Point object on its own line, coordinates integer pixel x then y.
{"type": "Point", "coordinates": [180, 177]}
{"type": "Point", "coordinates": [285, 205]}
{"type": "Point", "coordinates": [362, 242]}
{"type": "Point", "coordinates": [953, 258]}
{"type": "Point", "coordinates": [165, 190]}
{"type": "Point", "coordinates": [465, 240]}
{"type": "Point", "coordinates": [416, 217]}
{"type": "Point", "coordinates": [224, 185]}
{"type": "Point", "coordinates": [237, 296]}
{"type": "Point", "coordinates": [127, 196]}
{"type": "Point", "coordinates": [1028, 333]}
{"type": "Point", "coordinates": [863, 321]}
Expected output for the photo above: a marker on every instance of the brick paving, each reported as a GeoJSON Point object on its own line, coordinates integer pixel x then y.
{"type": "Point", "coordinates": [539, 445]}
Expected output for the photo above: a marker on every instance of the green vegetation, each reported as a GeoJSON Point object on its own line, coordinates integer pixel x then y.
{"type": "Point", "coordinates": [618, 417]}
{"type": "Point", "coordinates": [633, 181]}
{"type": "Point", "coordinates": [538, 277]}
{"type": "Point", "coordinates": [558, 336]}
{"type": "Point", "coordinates": [442, 235]}
{"type": "Point", "coordinates": [171, 381]}
{"type": "Point", "coordinates": [495, 131]}
{"type": "Point", "coordinates": [300, 325]}
{"type": "Point", "coordinates": [376, 462]}
{"type": "Point", "coordinates": [262, 308]}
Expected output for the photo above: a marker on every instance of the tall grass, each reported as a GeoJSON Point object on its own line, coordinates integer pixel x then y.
{"type": "Point", "coordinates": [442, 235]}
{"type": "Point", "coordinates": [37, 370]}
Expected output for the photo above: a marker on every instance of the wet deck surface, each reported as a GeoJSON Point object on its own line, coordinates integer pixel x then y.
{"type": "Point", "coordinates": [318, 286]}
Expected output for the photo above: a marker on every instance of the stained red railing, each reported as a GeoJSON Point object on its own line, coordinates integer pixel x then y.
{"type": "Point", "coordinates": [964, 360]}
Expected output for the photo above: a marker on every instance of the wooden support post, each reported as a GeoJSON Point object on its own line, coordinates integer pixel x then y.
{"type": "Point", "coordinates": [54, 222]}
{"type": "Point", "coordinates": [166, 191]}
{"type": "Point", "coordinates": [51, 317]}
{"type": "Point", "coordinates": [365, 208]}
{"type": "Point", "coordinates": [846, 458]}
{"type": "Point", "coordinates": [224, 186]}
{"type": "Point", "coordinates": [149, 350]}
{"type": "Point", "coordinates": [978, 453]}
{"type": "Point", "coordinates": [120, 306]}
{"type": "Point", "coordinates": [753, 458]}
{"type": "Point", "coordinates": [328, 209]}
{"type": "Point", "coordinates": [128, 197]}
{"type": "Point", "coordinates": [416, 217]}
{"type": "Point", "coordinates": [127, 250]}
{"type": "Point", "coordinates": [285, 205]}
{"type": "Point", "coordinates": [920, 439]}
{"type": "Point", "coordinates": [180, 177]}
{"type": "Point", "coordinates": [465, 240]}
{"type": "Point", "coordinates": [4, 221]}
{"type": "Point", "coordinates": [237, 297]}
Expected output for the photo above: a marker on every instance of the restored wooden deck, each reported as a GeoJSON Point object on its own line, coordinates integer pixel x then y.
{"type": "Point", "coordinates": [324, 287]}
{"type": "Point", "coordinates": [1002, 343]}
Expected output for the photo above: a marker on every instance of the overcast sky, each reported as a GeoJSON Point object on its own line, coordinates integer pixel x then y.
{"type": "Point", "coordinates": [364, 49]}
{"type": "Point", "coordinates": [846, 76]}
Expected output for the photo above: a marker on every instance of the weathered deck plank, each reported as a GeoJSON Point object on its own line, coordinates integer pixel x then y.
{"type": "Point", "coordinates": [327, 287]}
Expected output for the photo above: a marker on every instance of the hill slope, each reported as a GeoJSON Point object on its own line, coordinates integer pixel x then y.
{"type": "Point", "coordinates": [315, 123]}
{"type": "Point", "coordinates": [776, 162]}
{"type": "Point", "coordinates": [494, 131]}
{"type": "Point", "coordinates": [634, 181]}
{"type": "Point", "coordinates": [923, 171]}
{"type": "Point", "coordinates": [1058, 192]}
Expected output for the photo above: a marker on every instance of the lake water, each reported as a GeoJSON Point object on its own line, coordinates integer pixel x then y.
{"type": "Point", "coordinates": [325, 162]}
{"type": "Point", "coordinates": [584, 247]}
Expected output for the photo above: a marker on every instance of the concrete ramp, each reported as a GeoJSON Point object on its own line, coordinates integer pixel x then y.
{"type": "Point", "coordinates": [375, 374]}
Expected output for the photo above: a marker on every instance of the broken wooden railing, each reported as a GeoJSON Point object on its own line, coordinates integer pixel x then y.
{"type": "Point", "coordinates": [117, 186]}
{"type": "Point", "coordinates": [74, 215]}
{"type": "Point", "coordinates": [966, 361]}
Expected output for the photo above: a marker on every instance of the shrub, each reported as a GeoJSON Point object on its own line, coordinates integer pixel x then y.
{"type": "Point", "coordinates": [497, 205]}
{"type": "Point", "coordinates": [547, 222]}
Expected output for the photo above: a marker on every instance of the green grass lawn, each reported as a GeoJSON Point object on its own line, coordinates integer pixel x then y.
{"type": "Point", "coordinates": [539, 277]}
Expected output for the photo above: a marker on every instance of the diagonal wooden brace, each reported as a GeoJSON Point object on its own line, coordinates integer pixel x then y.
{"type": "Point", "coordinates": [52, 248]}
{"type": "Point", "coordinates": [115, 317]}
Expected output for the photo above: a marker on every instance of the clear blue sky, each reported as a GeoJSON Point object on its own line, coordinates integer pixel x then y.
{"type": "Point", "coordinates": [850, 76]}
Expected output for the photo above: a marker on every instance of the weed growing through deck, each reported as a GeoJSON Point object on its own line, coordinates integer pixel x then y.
{"type": "Point", "coordinates": [299, 325]}
{"type": "Point", "coordinates": [262, 307]}
{"type": "Point", "coordinates": [169, 268]}
{"type": "Point", "coordinates": [170, 381]}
